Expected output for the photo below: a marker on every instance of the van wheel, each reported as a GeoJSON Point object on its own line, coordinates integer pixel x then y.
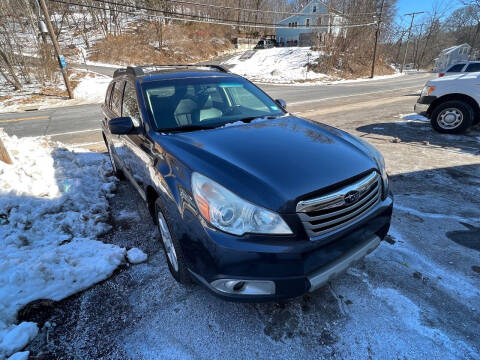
{"type": "Point", "coordinates": [452, 117]}
{"type": "Point", "coordinates": [171, 247]}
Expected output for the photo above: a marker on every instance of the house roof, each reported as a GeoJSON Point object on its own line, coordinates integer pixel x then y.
{"type": "Point", "coordinates": [452, 49]}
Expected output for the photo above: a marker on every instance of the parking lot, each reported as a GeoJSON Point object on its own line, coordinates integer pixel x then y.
{"type": "Point", "coordinates": [417, 296]}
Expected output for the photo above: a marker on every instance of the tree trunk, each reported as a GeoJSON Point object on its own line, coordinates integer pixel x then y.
{"type": "Point", "coordinates": [4, 154]}
{"type": "Point", "coordinates": [14, 81]}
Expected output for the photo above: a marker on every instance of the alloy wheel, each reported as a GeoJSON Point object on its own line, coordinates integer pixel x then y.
{"type": "Point", "coordinates": [167, 241]}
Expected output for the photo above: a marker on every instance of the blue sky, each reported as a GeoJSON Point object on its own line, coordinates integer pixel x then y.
{"type": "Point", "coordinates": [408, 6]}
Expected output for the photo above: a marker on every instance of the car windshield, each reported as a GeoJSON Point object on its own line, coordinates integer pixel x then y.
{"type": "Point", "coordinates": [200, 103]}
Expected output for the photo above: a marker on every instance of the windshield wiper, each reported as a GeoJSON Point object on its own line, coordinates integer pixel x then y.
{"type": "Point", "coordinates": [191, 127]}
{"type": "Point", "coordinates": [251, 118]}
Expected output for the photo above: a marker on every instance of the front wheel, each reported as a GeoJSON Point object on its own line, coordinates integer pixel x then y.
{"type": "Point", "coordinates": [171, 246]}
{"type": "Point", "coordinates": [452, 117]}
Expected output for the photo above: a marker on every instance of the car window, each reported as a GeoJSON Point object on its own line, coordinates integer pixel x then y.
{"type": "Point", "coordinates": [108, 94]}
{"type": "Point", "coordinates": [130, 107]}
{"type": "Point", "coordinates": [475, 67]}
{"type": "Point", "coordinates": [242, 96]}
{"type": "Point", "coordinates": [208, 102]}
{"type": "Point", "coordinates": [116, 102]}
{"type": "Point", "coordinates": [456, 68]}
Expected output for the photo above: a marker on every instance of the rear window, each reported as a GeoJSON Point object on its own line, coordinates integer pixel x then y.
{"type": "Point", "coordinates": [473, 67]}
{"type": "Point", "coordinates": [456, 68]}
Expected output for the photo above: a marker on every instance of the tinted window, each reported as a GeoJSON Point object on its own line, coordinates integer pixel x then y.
{"type": "Point", "coordinates": [117, 93]}
{"type": "Point", "coordinates": [456, 68]}
{"type": "Point", "coordinates": [473, 67]}
{"type": "Point", "coordinates": [211, 102]}
{"type": "Point", "coordinates": [130, 107]}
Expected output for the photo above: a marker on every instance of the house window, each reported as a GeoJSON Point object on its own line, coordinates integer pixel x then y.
{"type": "Point", "coordinates": [307, 22]}
{"type": "Point", "coordinates": [314, 9]}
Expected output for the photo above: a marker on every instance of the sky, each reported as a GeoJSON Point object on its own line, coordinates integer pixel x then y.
{"type": "Point", "coordinates": [408, 6]}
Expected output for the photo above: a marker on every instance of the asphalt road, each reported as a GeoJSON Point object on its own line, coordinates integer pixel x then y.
{"type": "Point", "coordinates": [79, 125]}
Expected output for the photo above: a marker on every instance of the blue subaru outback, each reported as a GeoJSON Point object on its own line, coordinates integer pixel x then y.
{"type": "Point", "coordinates": [252, 202]}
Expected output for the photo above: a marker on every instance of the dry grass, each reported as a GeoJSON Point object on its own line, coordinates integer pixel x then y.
{"type": "Point", "coordinates": [149, 43]}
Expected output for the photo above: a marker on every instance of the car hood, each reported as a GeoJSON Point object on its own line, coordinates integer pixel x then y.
{"type": "Point", "coordinates": [273, 163]}
{"type": "Point", "coordinates": [459, 77]}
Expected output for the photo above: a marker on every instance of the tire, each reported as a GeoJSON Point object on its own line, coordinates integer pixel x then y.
{"type": "Point", "coordinates": [116, 171]}
{"type": "Point", "coordinates": [452, 117]}
{"type": "Point", "coordinates": [175, 258]}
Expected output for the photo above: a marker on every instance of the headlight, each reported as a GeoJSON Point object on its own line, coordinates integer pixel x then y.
{"type": "Point", "coordinates": [228, 212]}
{"type": "Point", "coordinates": [428, 90]}
{"type": "Point", "coordinates": [378, 157]}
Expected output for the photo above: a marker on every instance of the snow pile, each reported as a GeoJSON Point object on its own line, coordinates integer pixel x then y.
{"type": "Point", "coordinates": [53, 204]}
{"type": "Point", "coordinates": [92, 88]}
{"type": "Point", "coordinates": [136, 256]}
{"type": "Point", "coordinates": [414, 117]}
{"type": "Point", "coordinates": [277, 65]}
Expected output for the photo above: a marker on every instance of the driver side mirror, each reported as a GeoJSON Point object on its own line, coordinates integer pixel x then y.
{"type": "Point", "coordinates": [282, 103]}
{"type": "Point", "coordinates": [120, 125]}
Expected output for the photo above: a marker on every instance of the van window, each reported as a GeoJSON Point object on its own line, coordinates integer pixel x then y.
{"type": "Point", "coordinates": [456, 68]}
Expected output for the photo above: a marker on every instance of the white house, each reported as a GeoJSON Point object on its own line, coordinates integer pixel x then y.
{"type": "Point", "coordinates": [451, 56]}
{"type": "Point", "coordinates": [313, 19]}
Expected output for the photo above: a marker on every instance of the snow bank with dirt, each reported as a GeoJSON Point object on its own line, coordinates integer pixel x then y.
{"type": "Point", "coordinates": [92, 88]}
{"type": "Point", "coordinates": [287, 65]}
{"type": "Point", "coordinates": [277, 65]}
{"type": "Point", "coordinates": [53, 205]}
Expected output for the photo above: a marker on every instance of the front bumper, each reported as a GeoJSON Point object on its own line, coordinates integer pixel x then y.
{"type": "Point", "coordinates": [423, 104]}
{"type": "Point", "coordinates": [295, 266]}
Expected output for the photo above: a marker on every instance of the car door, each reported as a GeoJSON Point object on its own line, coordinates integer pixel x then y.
{"type": "Point", "coordinates": [138, 147]}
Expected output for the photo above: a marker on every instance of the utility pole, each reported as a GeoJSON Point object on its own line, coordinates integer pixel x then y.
{"type": "Point", "coordinates": [408, 38]}
{"type": "Point", "coordinates": [417, 44]}
{"type": "Point", "coordinates": [377, 33]}
{"type": "Point", "coordinates": [60, 58]}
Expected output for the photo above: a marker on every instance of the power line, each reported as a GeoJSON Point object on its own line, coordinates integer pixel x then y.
{"type": "Point", "coordinates": [225, 7]}
{"type": "Point", "coordinates": [171, 15]}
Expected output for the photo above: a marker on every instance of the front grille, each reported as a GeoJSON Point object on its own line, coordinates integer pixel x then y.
{"type": "Point", "coordinates": [341, 207]}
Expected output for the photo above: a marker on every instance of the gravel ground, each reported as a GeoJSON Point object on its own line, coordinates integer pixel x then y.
{"type": "Point", "coordinates": [417, 296]}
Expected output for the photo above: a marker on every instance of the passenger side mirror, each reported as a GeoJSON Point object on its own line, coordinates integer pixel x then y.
{"type": "Point", "coordinates": [282, 103]}
{"type": "Point", "coordinates": [120, 125]}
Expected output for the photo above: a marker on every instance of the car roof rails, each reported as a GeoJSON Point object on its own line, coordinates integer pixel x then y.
{"type": "Point", "coordinates": [157, 68]}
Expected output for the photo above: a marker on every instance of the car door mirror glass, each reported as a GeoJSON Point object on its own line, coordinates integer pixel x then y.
{"type": "Point", "coordinates": [282, 103]}
{"type": "Point", "coordinates": [121, 125]}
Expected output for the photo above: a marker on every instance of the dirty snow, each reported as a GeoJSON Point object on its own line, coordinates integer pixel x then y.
{"type": "Point", "coordinates": [287, 65]}
{"type": "Point", "coordinates": [277, 65]}
{"type": "Point", "coordinates": [136, 256]}
{"type": "Point", "coordinates": [53, 205]}
{"type": "Point", "coordinates": [20, 356]}
{"type": "Point", "coordinates": [414, 117]}
{"type": "Point", "coordinates": [91, 89]}
{"type": "Point", "coordinates": [16, 338]}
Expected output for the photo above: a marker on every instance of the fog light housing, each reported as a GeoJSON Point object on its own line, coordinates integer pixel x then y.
{"type": "Point", "coordinates": [244, 287]}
